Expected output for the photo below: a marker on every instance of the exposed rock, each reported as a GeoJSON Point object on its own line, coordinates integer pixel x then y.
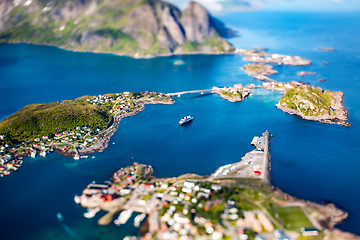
{"type": "Point", "coordinates": [196, 22]}
{"type": "Point", "coordinates": [126, 27]}
{"type": "Point", "coordinates": [313, 103]}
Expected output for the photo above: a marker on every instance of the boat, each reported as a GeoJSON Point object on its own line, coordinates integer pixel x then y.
{"type": "Point", "coordinates": [138, 219]}
{"type": "Point", "coordinates": [77, 156]}
{"type": "Point", "coordinates": [33, 154]}
{"type": "Point", "coordinates": [85, 156]}
{"type": "Point", "coordinates": [77, 199]}
{"type": "Point", "coordinates": [123, 217]}
{"type": "Point", "coordinates": [185, 120]}
{"type": "Point", "coordinates": [91, 212]}
{"type": "Point", "coordinates": [43, 153]}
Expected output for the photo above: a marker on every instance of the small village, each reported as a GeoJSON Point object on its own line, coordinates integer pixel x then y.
{"type": "Point", "coordinates": [195, 207]}
{"type": "Point", "coordinates": [80, 138]}
{"type": "Point", "coordinates": [184, 209]}
{"type": "Point", "coordinates": [236, 93]}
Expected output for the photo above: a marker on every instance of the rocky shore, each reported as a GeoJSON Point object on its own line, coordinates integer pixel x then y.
{"type": "Point", "coordinates": [333, 114]}
{"type": "Point", "coordinates": [339, 120]}
{"type": "Point", "coordinates": [280, 59]}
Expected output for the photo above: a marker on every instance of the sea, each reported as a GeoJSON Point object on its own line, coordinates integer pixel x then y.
{"type": "Point", "coordinates": [310, 160]}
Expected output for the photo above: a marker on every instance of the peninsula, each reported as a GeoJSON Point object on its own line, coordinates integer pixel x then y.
{"type": "Point", "coordinates": [235, 202]}
{"type": "Point", "coordinates": [137, 28]}
{"type": "Point", "coordinates": [70, 127]}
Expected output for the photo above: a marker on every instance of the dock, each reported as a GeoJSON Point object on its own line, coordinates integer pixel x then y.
{"type": "Point", "coordinates": [255, 164]}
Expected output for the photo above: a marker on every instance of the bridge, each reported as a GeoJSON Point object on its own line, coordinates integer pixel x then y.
{"type": "Point", "coordinates": [186, 92]}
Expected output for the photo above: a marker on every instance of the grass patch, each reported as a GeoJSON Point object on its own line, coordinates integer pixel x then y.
{"type": "Point", "coordinates": [293, 217]}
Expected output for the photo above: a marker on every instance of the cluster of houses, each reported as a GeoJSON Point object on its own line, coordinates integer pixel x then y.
{"type": "Point", "coordinates": [236, 91]}
{"type": "Point", "coordinates": [173, 208]}
{"type": "Point", "coordinates": [122, 102]}
{"type": "Point", "coordinates": [80, 137]}
{"type": "Point", "coordinates": [273, 85]}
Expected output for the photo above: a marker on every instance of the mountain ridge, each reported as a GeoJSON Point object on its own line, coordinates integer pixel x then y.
{"type": "Point", "coordinates": [140, 28]}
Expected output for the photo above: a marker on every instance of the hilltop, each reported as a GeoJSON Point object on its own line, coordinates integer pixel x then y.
{"type": "Point", "coordinates": [140, 28]}
{"type": "Point", "coordinates": [36, 120]}
{"type": "Point", "coordinates": [313, 103]}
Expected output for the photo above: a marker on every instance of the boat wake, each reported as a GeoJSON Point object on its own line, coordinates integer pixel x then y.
{"type": "Point", "coordinates": [66, 228]}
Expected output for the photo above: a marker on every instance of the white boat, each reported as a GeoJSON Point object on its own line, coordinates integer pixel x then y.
{"type": "Point", "coordinates": [43, 153]}
{"type": "Point", "coordinates": [76, 157]}
{"type": "Point", "coordinates": [91, 212]}
{"type": "Point", "coordinates": [123, 217]}
{"type": "Point", "coordinates": [33, 154]}
{"type": "Point", "coordinates": [85, 156]}
{"type": "Point", "coordinates": [138, 219]}
{"type": "Point", "coordinates": [77, 199]}
{"type": "Point", "coordinates": [185, 120]}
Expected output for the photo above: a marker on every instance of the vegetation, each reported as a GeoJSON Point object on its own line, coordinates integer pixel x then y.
{"type": "Point", "coordinates": [38, 120]}
{"type": "Point", "coordinates": [293, 217]}
{"type": "Point", "coordinates": [310, 101]}
{"type": "Point", "coordinates": [254, 69]}
{"type": "Point", "coordinates": [232, 94]}
{"type": "Point", "coordinates": [113, 27]}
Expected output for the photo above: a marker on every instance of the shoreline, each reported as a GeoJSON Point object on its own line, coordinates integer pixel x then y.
{"type": "Point", "coordinates": [325, 120]}
{"type": "Point", "coordinates": [103, 142]}
{"type": "Point", "coordinates": [323, 217]}
{"type": "Point", "coordinates": [134, 56]}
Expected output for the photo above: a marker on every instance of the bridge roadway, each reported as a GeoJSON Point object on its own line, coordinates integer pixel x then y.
{"type": "Point", "coordinates": [185, 92]}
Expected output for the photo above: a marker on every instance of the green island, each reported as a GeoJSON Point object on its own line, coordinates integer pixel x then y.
{"type": "Point", "coordinates": [220, 206]}
{"type": "Point", "coordinates": [313, 103]}
{"type": "Point", "coordinates": [71, 127]}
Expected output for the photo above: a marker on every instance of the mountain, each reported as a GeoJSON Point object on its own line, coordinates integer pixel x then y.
{"type": "Point", "coordinates": [127, 27]}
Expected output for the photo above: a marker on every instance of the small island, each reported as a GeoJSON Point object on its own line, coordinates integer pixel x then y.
{"type": "Point", "coordinates": [237, 93]}
{"type": "Point", "coordinates": [305, 73]}
{"type": "Point", "coordinates": [259, 69]}
{"type": "Point", "coordinates": [260, 56]}
{"type": "Point", "coordinates": [313, 103]}
{"type": "Point", "coordinates": [71, 127]}
{"type": "Point", "coordinates": [235, 202]}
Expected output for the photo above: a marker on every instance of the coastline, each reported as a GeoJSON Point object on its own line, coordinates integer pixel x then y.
{"type": "Point", "coordinates": [134, 56]}
{"type": "Point", "coordinates": [103, 142]}
{"type": "Point", "coordinates": [323, 217]}
{"type": "Point", "coordinates": [327, 119]}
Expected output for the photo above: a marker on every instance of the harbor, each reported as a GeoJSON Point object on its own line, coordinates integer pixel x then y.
{"type": "Point", "coordinates": [255, 164]}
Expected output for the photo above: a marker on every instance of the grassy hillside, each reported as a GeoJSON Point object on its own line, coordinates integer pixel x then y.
{"type": "Point", "coordinates": [310, 101]}
{"type": "Point", "coordinates": [47, 119]}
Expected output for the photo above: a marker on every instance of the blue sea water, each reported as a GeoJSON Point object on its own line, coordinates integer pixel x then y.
{"type": "Point", "coordinates": [310, 160]}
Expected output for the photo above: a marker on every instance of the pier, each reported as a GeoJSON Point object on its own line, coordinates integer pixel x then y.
{"type": "Point", "coordinates": [255, 164]}
{"type": "Point", "coordinates": [187, 92]}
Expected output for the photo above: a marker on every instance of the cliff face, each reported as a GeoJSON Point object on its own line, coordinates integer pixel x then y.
{"type": "Point", "coordinates": [130, 27]}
